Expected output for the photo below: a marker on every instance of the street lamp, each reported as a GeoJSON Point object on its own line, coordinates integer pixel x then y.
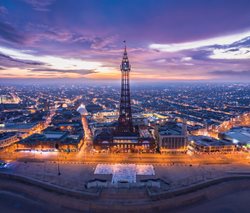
{"type": "Point", "coordinates": [58, 168]}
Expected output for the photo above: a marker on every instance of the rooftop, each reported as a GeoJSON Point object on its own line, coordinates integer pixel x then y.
{"type": "Point", "coordinates": [82, 110]}
{"type": "Point", "coordinates": [18, 126]}
{"type": "Point", "coordinates": [238, 135]}
{"type": "Point", "coordinates": [6, 135]}
{"type": "Point", "coordinates": [170, 128]}
{"type": "Point", "coordinates": [208, 141]}
{"type": "Point", "coordinates": [53, 136]}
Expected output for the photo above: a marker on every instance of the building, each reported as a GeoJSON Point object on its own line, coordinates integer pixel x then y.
{"type": "Point", "coordinates": [238, 136]}
{"type": "Point", "coordinates": [146, 140]}
{"type": "Point", "coordinates": [140, 120]}
{"type": "Point", "coordinates": [72, 127]}
{"type": "Point", "coordinates": [122, 136]}
{"type": "Point", "coordinates": [23, 129]}
{"type": "Point", "coordinates": [125, 137]}
{"type": "Point", "coordinates": [171, 137]}
{"type": "Point", "coordinates": [93, 108]}
{"type": "Point", "coordinates": [52, 141]}
{"type": "Point", "coordinates": [205, 144]}
{"type": "Point", "coordinates": [125, 124]}
{"type": "Point", "coordinates": [106, 116]}
{"type": "Point", "coordinates": [106, 141]}
{"type": "Point", "coordinates": [7, 139]}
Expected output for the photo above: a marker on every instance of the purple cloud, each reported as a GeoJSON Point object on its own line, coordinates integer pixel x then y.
{"type": "Point", "coordinates": [9, 33]}
{"type": "Point", "coordinates": [8, 61]}
{"type": "Point", "coordinates": [81, 72]}
{"type": "Point", "coordinates": [231, 73]}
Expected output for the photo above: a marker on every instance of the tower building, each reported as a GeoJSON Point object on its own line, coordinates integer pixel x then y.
{"type": "Point", "coordinates": [125, 115]}
{"type": "Point", "coordinates": [123, 136]}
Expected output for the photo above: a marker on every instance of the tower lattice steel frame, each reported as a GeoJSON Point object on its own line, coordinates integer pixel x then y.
{"type": "Point", "coordinates": [125, 124]}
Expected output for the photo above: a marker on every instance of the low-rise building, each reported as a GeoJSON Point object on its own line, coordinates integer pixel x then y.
{"type": "Point", "coordinates": [7, 139]}
{"type": "Point", "coordinates": [171, 137]}
{"type": "Point", "coordinates": [22, 128]}
{"type": "Point", "coordinates": [237, 135]}
{"type": "Point", "coordinates": [207, 144]}
{"type": "Point", "coordinates": [51, 141]}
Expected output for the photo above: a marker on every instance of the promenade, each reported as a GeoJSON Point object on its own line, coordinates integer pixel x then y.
{"type": "Point", "coordinates": [61, 180]}
{"type": "Point", "coordinates": [42, 198]}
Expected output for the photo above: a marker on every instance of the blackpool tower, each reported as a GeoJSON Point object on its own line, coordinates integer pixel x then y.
{"type": "Point", "coordinates": [125, 115]}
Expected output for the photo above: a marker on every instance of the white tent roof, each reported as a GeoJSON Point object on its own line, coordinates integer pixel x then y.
{"type": "Point", "coordinates": [82, 110]}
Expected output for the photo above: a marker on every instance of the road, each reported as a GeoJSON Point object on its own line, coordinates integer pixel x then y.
{"type": "Point", "coordinates": [84, 156]}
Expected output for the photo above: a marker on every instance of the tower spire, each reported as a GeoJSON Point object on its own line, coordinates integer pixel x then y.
{"type": "Point", "coordinates": [125, 46]}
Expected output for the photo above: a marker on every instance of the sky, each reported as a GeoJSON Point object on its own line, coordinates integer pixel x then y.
{"type": "Point", "coordinates": [166, 39]}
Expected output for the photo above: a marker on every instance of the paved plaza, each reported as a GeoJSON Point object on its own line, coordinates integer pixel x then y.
{"type": "Point", "coordinates": [124, 172]}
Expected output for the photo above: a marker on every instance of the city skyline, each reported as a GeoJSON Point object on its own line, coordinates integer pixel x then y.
{"type": "Point", "coordinates": [124, 106]}
{"type": "Point", "coordinates": [170, 40]}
